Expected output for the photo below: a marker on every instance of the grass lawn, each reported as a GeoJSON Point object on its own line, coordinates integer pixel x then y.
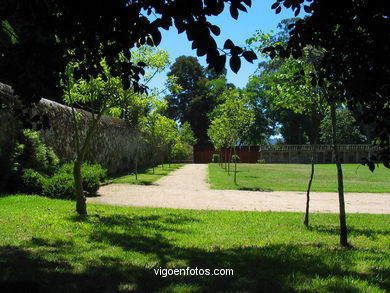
{"type": "Point", "coordinates": [295, 177]}
{"type": "Point", "coordinates": [114, 249]}
{"type": "Point", "coordinates": [146, 176]}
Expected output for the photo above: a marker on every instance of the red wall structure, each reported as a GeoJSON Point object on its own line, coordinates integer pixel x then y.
{"type": "Point", "coordinates": [247, 154]}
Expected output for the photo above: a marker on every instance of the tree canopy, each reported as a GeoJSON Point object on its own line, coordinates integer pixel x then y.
{"type": "Point", "coordinates": [36, 37]}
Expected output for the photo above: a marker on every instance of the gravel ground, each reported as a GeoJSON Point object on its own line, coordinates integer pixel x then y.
{"type": "Point", "coordinates": [186, 188]}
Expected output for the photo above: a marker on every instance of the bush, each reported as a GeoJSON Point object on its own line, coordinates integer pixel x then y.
{"type": "Point", "coordinates": [181, 151]}
{"type": "Point", "coordinates": [235, 159]}
{"type": "Point", "coordinates": [215, 158]}
{"type": "Point", "coordinates": [261, 161]}
{"type": "Point", "coordinates": [36, 155]}
{"type": "Point", "coordinates": [32, 181]}
{"type": "Point", "coordinates": [93, 175]}
{"type": "Point", "coordinates": [60, 185]}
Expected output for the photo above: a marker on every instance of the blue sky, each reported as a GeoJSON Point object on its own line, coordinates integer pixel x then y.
{"type": "Point", "coordinates": [259, 17]}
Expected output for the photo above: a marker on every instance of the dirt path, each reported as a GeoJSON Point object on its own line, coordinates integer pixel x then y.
{"type": "Point", "coordinates": [186, 188]}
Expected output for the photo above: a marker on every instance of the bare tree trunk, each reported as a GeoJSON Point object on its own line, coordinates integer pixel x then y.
{"type": "Point", "coordinates": [306, 221]}
{"type": "Point", "coordinates": [343, 223]}
{"type": "Point", "coordinates": [235, 166]}
{"type": "Point", "coordinates": [225, 158]}
{"type": "Point", "coordinates": [136, 162]}
{"type": "Point", "coordinates": [230, 155]}
{"type": "Point", "coordinates": [81, 206]}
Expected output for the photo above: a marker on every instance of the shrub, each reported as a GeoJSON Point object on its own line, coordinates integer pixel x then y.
{"type": "Point", "coordinates": [92, 174]}
{"type": "Point", "coordinates": [261, 161]}
{"type": "Point", "coordinates": [60, 185]}
{"type": "Point", "coordinates": [235, 159]}
{"type": "Point", "coordinates": [215, 158]}
{"type": "Point", "coordinates": [181, 151]}
{"type": "Point", "coordinates": [33, 154]}
{"type": "Point", "coordinates": [32, 181]}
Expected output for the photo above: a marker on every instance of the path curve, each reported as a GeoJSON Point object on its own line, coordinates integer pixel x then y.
{"type": "Point", "coordinates": [186, 188]}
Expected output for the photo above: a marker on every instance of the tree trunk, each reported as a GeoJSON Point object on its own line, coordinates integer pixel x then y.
{"type": "Point", "coordinates": [235, 166]}
{"type": "Point", "coordinates": [229, 158]}
{"type": "Point", "coordinates": [343, 223]}
{"type": "Point", "coordinates": [306, 222]}
{"type": "Point", "coordinates": [136, 163]}
{"type": "Point", "coordinates": [225, 158]}
{"type": "Point", "coordinates": [81, 206]}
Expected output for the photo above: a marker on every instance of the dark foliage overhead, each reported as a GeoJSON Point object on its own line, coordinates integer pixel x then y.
{"type": "Point", "coordinates": [37, 36]}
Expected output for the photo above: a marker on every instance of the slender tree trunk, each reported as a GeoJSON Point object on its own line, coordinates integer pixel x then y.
{"type": "Point", "coordinates": [229, 158]}
{"type": "Point", "coordinates": [235, 166]}
{"type": "Point", "coordinates": [81, 206]}
{"type": "Point", "coordinates": [136, 162]}
{"type": "Point", "coordinates": [225, 158]}
{"type": "Point", "coordinates": [306, 221]}
{"type": "Point", "coordinates": [343, 223]}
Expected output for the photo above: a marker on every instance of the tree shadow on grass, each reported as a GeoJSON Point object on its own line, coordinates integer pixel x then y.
{"type": "Point", "coordinates": [270, 268]}
{"type": "Point", "coordinates": [335, 230]}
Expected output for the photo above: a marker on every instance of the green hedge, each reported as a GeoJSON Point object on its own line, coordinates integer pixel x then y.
{"type": "Point", "coordinates": [61, 184]}
{"type": "Point", "coordinates": [32, 181]}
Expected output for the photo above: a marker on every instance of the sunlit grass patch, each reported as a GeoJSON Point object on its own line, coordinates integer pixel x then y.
{"type": "Point", "coordinates": [295, 177]}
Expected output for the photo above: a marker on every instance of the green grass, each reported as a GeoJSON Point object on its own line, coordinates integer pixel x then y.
{"type": "Point", "coordinates": [146, 176]}
{"type": "Point", "coordinates": [295, 177]}
{"type": "Point", "coordinates": [115, 249]}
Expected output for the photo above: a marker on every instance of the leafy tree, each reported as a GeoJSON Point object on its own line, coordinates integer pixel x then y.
{"type": "Point", "coordinates": [218, 134]}
{"type": "Point", "coordinates": [347, 132]}
{"type": "Point", "coordinates": [297, 81]}
{"type": "Point", "coordinates": [97, 95]}
{"type": "Point", "coordinates": [355, 65]}
{"type": "Point", "coordinates": [186, 134]}
{"type": "Point", "coordinates": [193, 101]}
{"type": "Point", "coordinates": [190, 76]}
{"type": "Point", "coordinates": [354, 68]}
{"type": "Point", "coordinates": [264, 124]}
{"type": "Point", "coordinates": [234, 120]}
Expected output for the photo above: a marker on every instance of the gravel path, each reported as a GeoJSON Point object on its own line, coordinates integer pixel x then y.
{"type": "Point", "coordinates": [186, 188]}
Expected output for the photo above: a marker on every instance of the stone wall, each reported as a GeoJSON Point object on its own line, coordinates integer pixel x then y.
{"type": "Point", "coordinates": [113, 146]}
